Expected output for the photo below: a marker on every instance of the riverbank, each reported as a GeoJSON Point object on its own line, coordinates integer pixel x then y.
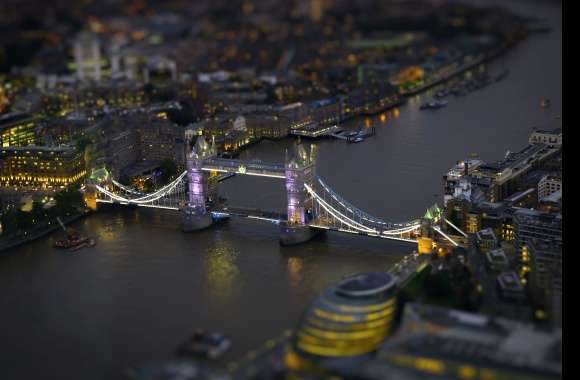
{"type": "Point", "coordinates": [455, 71]}
{"type": "Point", "coordinates": [17, 240]}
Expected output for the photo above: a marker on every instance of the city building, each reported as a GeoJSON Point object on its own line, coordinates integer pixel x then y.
{"type": "Point", "coordinates": [452, 180]}
{"type": "Point", "coordinates": [118, 147]}
{"type": "Point", "coordinates": [533, 224]}
{"type": "Point", "coordinates": [266, 126]}
{"type": "Point", "coordinates": [349, 321]}
{"type": "Point", "coordinates": [508, 175]}
{"type": "Point", "coordinates": [369, 99]}
{"type": "Point", "coordinates": [486, 239]}
{"type": "Point", "coordinates": [551, 203]}
{"type": "Point", "coordinates": [526, 199]}
{"type": "Point", "coordinates": [326, 111]}
{"type": "Point", "coordinates": [549, 184]}
{"type": "Point", "coordinates": [453, 344]}
{"type": "Point", "coordinates": [87, 55]}
{"type": "Point", "coordinates": [510, 287]}
{"type": "Point", "coordinates": [551, 138]}
{"type": "Point", "coordinates": [497, 260]}
{"type": "Point", "coordinates": [40, 169]}
{"type": "Point", "coordinates": [17, 129]}
{"type": "Point", "coordinates": [160, 139]}
{"type": "Point", "coordinates": [545, 259]}
{"type": "Point", "coordinates": [297, 114]}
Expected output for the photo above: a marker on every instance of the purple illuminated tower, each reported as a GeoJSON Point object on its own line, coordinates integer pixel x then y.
{"type": "Point", "coordinates": [196, 214]}
{"type": "Point", "coordinates": [300, 170]}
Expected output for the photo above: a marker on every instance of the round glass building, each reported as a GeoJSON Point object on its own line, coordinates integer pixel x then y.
{"type": "Point", "coordinates": [349, 319]}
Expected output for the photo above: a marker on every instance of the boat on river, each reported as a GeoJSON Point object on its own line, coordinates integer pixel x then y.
{"type": "Point", "coordinates": [73, 240]}
{"type": "Point", "coordinates": [205, 345]}
{"type": "Point", "coordinates": [434, 105]}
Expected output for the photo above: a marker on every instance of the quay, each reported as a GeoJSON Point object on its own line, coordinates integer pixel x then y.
{"type": "Point", "coordinates": [13, 241]}
{"type": "Point", "coordinates": [455, 69]}
{"type": "Point", "coordinates": [315, 131]}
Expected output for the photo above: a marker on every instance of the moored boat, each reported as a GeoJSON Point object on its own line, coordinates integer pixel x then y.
{"type": "Point", "coordinates": [204, 344]}
{"type": "Point", "coordinates": [545, 103]}
{"type": "Point", "coordinates": [433, 105]}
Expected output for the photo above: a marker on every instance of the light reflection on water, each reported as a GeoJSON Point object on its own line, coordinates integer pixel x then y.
{"type": "Point", "coordinates": [295, 271]}
{"type": "Point", "coordinates": [221, 270]}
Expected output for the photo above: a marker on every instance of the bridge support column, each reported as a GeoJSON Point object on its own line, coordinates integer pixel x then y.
{"type": "Point", "coordinates": [196, 214]}
{"type": "Point", "coordinates": [300, 170]}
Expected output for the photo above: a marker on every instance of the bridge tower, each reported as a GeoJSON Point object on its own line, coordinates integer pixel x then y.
{"type": "Point", "coordinates": [426, 241]}
{"type": "Point", "coordinates": [300, 170]}
{"type": "Point", "coordinates": [98, 176]}
{"type": "Point", "coordinates": [201, 189]}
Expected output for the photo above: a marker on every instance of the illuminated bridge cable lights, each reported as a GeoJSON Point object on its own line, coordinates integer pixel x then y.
{"type": "Point", "coordinates": [319, 206]}
{"type": "Point", "coordinates": [170, 196]}
{"type": "Point", "coordinates": [126, 188]}
{"type": "Point", "coordinates": [348, 205]}
{"type": "Point", "coordinates": [333, 212]}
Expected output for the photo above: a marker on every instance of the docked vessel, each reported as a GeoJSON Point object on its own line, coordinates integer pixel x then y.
{"type": "Point", "coordinates": [205, 345]}
{"type": "Point", "coordinates": [434, 105]}
{"type": "Point", "coordinates": [73, 240]}
{"type": "Point", "coordinates": [545, 103]}
{"type": "Point", "coordinates": [89, 242]}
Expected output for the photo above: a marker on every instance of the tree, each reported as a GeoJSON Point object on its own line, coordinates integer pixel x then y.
{"type": "Point", "coordinates": [10, 220]}
{"type": "Point", "coordinates": [82, 143]}
{"type": "Point", "coordinates": [68, 201]}
{"type": "Point", "coordinates": [438, 284]}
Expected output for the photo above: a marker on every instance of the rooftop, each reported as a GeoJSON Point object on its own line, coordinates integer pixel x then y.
{"type": "Point", "coordinates": [497, 255]}
{"type": "Point", "coordinates": [448, 334]}
{"type": "Point", "coordinates": [486, 233]}
{"type": "Point", "coordinates": [510, 281]}
{"type": "Point", "coordinates": [366, 284]}
{"type": "Point", "coordinates": [536, 217]}
{"type": "Point", "coordinates": [10, 119]}
{"type": "Point", "coordinates": [555, 197]}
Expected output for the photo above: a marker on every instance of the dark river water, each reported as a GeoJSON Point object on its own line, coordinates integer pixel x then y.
{"type": "Point", "coordinates": [146, 285]}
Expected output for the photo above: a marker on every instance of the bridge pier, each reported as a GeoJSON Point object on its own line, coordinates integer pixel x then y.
{"type": "Point", "coordinates": [297, 234]}
{"type": "Point", "coordinates": [193, 219]}
{"type": "Point", "coordinates": [300, 170]}
{"type": "Point", "coordinates": [195, 215]}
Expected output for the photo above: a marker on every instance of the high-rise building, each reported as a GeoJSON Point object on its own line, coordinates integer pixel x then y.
{"type": "Point", "coordinates": [87, 55]}
{"type": "Point", "coordinates": [533, 224]}
{"type": "Point", "coordinates": [546, 275]}
{"type": "Point", "coordinates": [17, 130]}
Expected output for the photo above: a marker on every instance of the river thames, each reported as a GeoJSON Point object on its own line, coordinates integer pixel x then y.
{"type": "Point", "coordinates": [146, 286]}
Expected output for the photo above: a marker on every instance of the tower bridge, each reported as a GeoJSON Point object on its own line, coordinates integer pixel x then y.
{"type": "Point", "coordinates": [312, 205]}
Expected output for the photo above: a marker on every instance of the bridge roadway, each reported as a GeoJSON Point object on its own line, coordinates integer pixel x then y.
{"type": "Point", "coordinates": [251, 213]}
{"type": "Point", "coordinates": [256, 168]}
